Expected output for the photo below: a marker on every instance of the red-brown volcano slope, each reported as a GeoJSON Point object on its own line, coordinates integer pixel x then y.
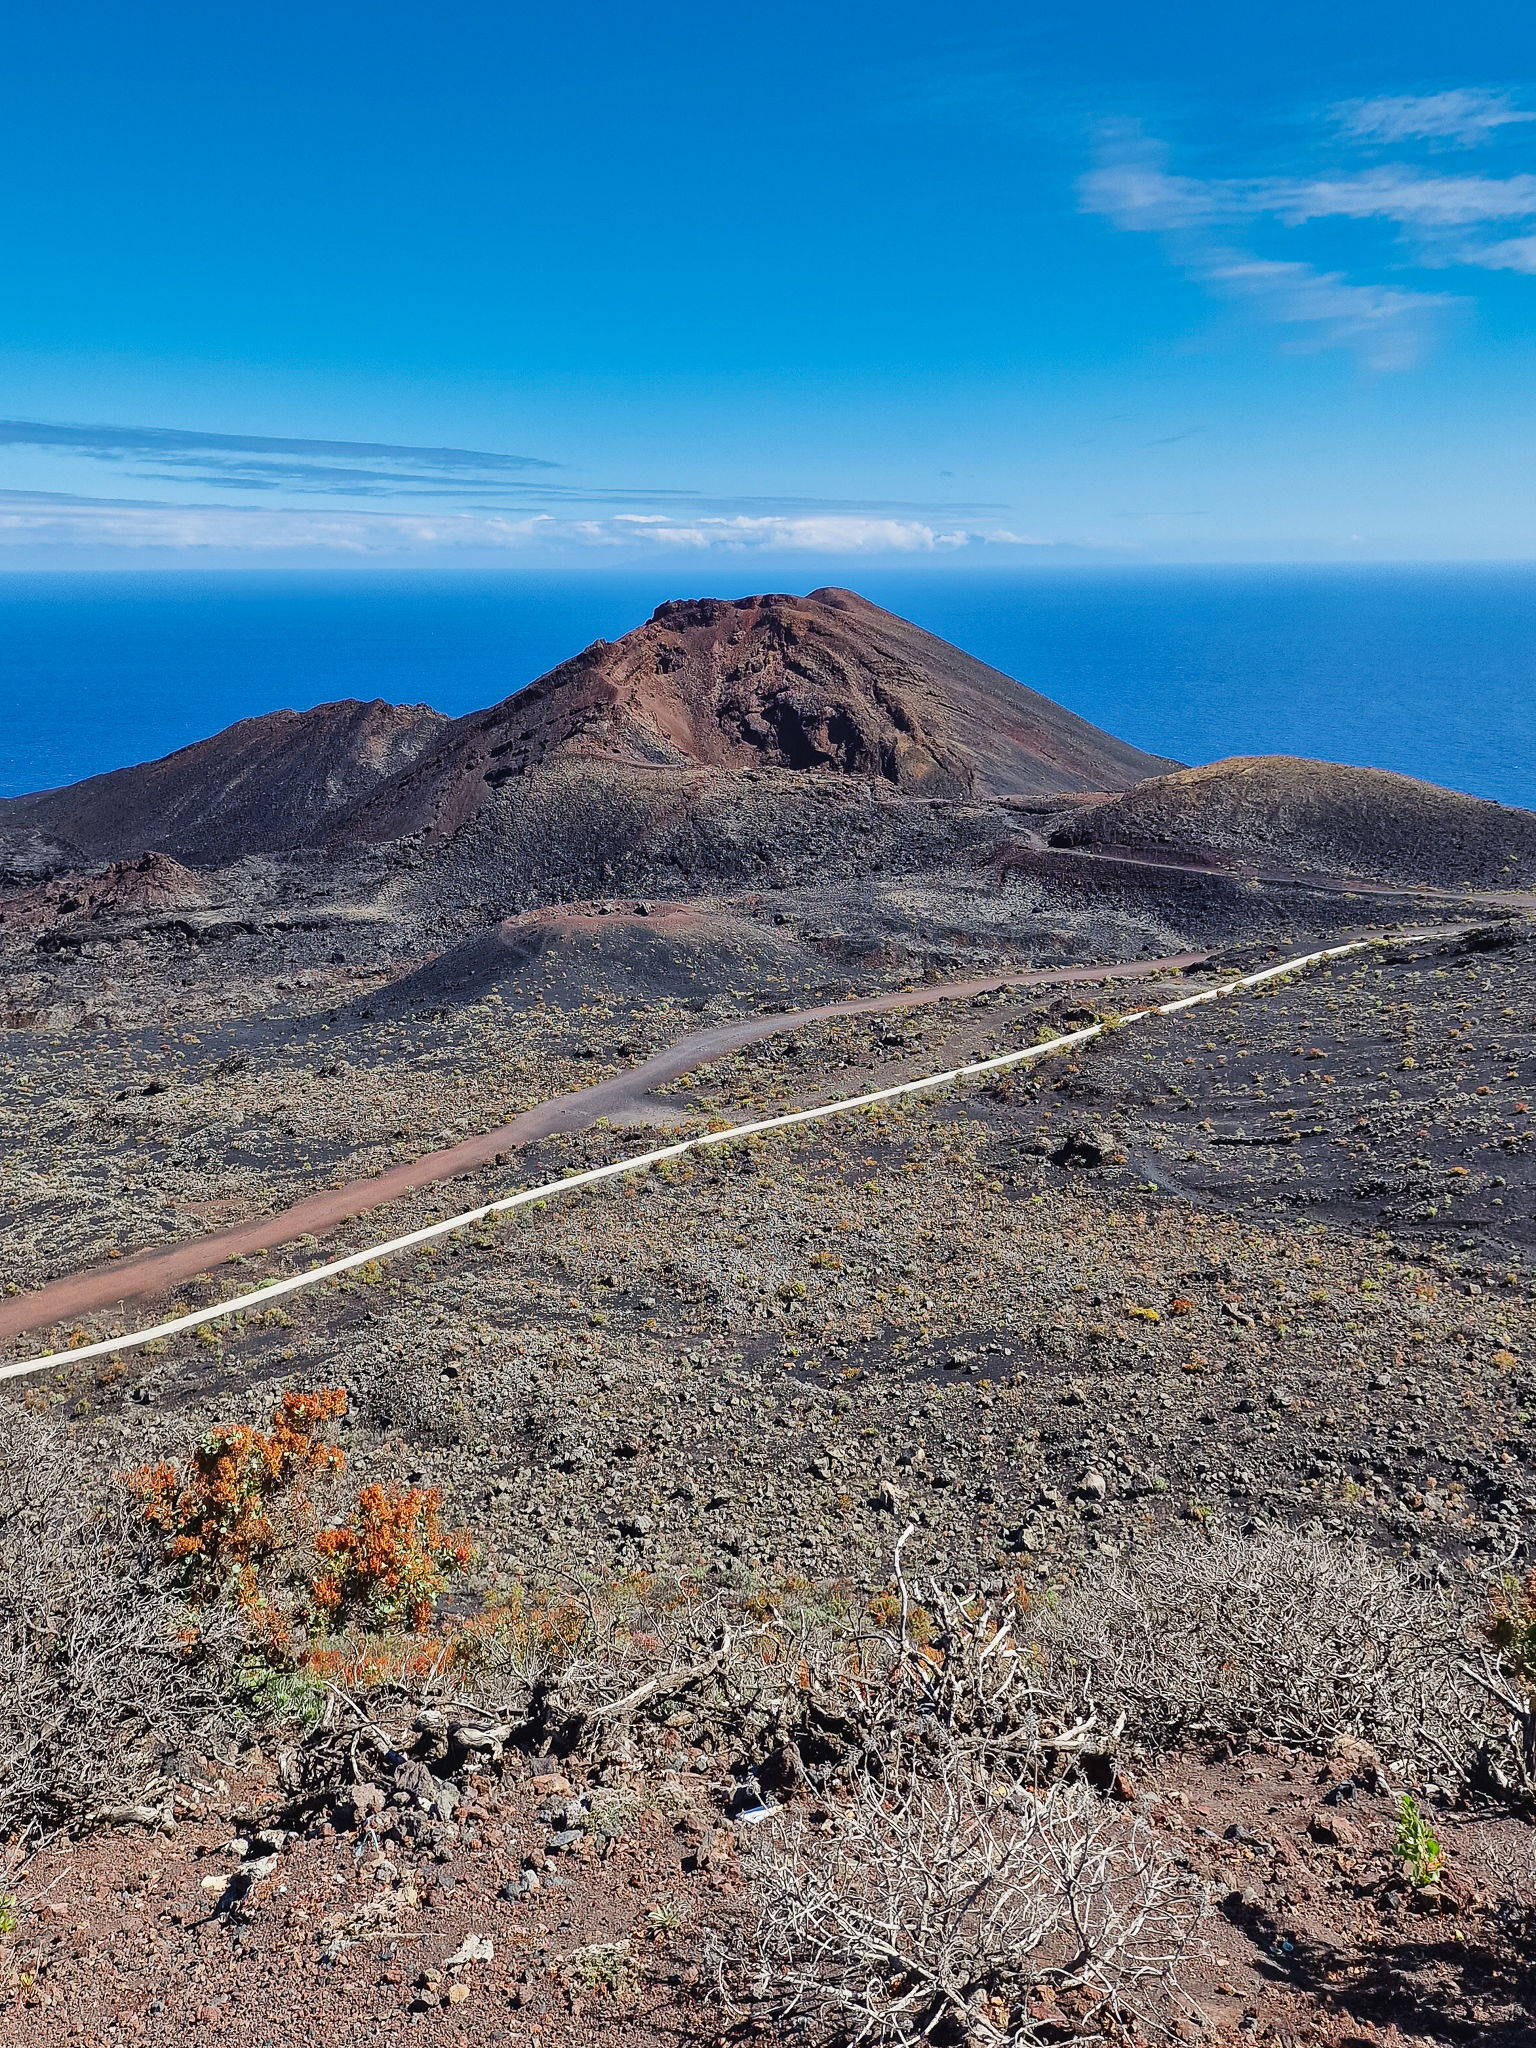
{"type": "Point", "coordinates": [826, 682]}
{"type": "Point", "coordinates": [263, 786]}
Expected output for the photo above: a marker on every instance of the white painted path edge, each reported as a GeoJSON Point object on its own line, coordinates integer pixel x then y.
{"type": "Point", "coordinates": [312, 1277]}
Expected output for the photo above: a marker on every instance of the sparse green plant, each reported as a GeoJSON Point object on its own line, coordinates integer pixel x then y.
{"type": "Point", "coordinates": [271, 1697]}
{"type": "Point", "coordinates": [1421, 1855]}
{"type": "Point", "coordinates": [612, 1811]}
{"type": "Point", "coordinates": [600, 1966]}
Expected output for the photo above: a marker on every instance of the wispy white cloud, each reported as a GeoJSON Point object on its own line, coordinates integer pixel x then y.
{"type": "Point", "coordinates": [268, 461]}
{"type": "Point", "coordinates": [1518, 253]}
{"type": "Point", "coordinates": [1465, 117]}
{"type": "Point", "coordinates": [1386, 324]}
{"type": "Point", "coordinates": [829, 533]}
{"type": "Point", "coordinates": [1440, 217]}
{"type": "Point", "coordinates": [1442, 221]}
{"type": "Point", "coordinates": [1132, 187]}
{"type": "Point", "coordinates": [1401, 194]}
{"type": "Point", "coordinates": [372, 472]}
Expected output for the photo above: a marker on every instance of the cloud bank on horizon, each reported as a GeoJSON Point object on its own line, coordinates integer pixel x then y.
{"type": "Point", "coordinates": [496, 504]}
{"type": "Point", "coordinates": [68, 521]}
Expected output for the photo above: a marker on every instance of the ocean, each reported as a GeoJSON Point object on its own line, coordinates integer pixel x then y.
{"type": "Point", "coordinates": [1431, 671]}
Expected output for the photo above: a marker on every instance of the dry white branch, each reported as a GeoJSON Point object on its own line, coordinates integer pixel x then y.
{"type": "Point", "coordinates": [97, 1689]}
{"type": "Point", "coordinates": [942, 1910]}
{"type": "Point", "coordinates": [1286, 1636]}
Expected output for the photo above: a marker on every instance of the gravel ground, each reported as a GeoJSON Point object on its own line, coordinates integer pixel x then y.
{"type": "Point", "coordinates": [350, 1938]}
{"type": "Point", "coordinates": [947, 1312]}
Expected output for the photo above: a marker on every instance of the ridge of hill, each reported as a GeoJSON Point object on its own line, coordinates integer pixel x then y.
{"type": "Point", "coordinates": [264, 785]}
{"type": "Point", "coordinates": [1316, 816]}
{"type": "Point", "coordinates": [709, 686]}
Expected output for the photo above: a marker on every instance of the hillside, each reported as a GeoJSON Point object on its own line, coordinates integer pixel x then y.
{"type": "Point", "coordinates": [261, 786]}
{"type": "Point", "coordinates": [1315, 817]}
{"type": "Point", "coordinates": [826, 682]}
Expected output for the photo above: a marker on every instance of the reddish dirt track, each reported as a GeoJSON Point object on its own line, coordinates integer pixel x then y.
{"type": "Point", "coordinates": [156, 1272]}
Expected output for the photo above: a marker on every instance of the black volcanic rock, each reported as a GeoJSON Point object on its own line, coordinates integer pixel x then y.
{"type": "Point", "coordinates": [1315, 817]}
{"type": "Point", "coordinates": [571, 957]}
{"type": "Point", "coordinates": [262, 786]}
{"type": "Point", "coordinates": [144, 887]}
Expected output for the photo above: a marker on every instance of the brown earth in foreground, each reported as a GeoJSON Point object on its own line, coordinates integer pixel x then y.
{"type": "Point", "coordinates": [1312, 1936]}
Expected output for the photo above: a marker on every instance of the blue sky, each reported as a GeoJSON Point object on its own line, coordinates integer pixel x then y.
{"type": "Point", "coordinates": [790, 283]}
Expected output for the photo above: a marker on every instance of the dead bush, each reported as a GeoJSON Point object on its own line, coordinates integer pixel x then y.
{"type": "Point", "coordinates": [807, 1681]}
{"type": "Point", "coordinates": [1279, 1635]}
{"type": "Point", "coordinates": [1504, 1854]}
{"type": "Point", "coordinates": [938, 1910]}
{"type": "Point", "coordinates": [102, 1688]}
{"type": "Point", "coordinates": [787, 1684]}
{"type": "Point", "coordinates": [1501, 1670]}
{"type": "Point", "coordinates": [801, 1684]}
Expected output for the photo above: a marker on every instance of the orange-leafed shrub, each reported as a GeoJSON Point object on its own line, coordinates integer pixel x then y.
{"type": "Point", "coordinates": [254, 1518]}
{"type": "Point", "coordinates": [390, 1561]}
{"type": "Point", "coordinates": [360, 1662]}
{"type": "Point", "coordinates": [241, 1503]}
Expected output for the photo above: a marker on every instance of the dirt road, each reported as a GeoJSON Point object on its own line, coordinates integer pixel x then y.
{"type": "Point", "coordinates": [156, 1272]}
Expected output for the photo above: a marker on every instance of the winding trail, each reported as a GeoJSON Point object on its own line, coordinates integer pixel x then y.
{"type": "Point", "coordinates": [157, 1271]}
